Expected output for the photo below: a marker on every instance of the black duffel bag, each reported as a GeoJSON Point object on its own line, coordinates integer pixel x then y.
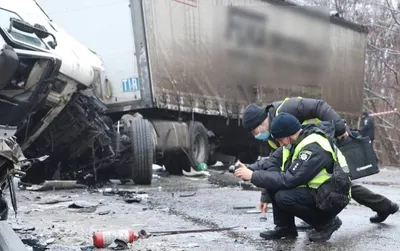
{"type": "Point", "coordinates": [360, 156]}
{"type": "Point", "coordinates": [332, 196]}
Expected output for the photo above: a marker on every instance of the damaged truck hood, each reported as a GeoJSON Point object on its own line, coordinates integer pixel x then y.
{"type": "Point", "coordinates": [78, 62]}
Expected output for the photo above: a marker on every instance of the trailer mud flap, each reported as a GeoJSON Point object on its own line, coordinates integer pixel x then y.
{"type": "Point", "coordinates": [360, 156]}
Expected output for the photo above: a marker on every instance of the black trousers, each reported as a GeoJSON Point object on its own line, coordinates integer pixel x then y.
{"type": "Point", "coordinates": [297, 202]}
{"type": "Point", "coordinates": [366, 197]}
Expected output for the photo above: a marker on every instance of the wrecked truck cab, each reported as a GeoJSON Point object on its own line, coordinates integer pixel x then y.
{"type": "Point", "coordinates": [51, 91]}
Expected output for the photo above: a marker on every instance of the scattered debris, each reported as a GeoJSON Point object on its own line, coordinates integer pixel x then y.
{"type": "Point", "coordinates": [118, 245]}
{"type": "Point", "coordinates": [22, 229]}
{"type": "Point", "coordinates": [239, 208]}
{"type": "Point", "coordinates": [50, 241]}
{"type": "Point", "coordinates": [158, 168]}
{"type": "Point", "coordinates": [194, 173]}
{"type": "Point", "coordinates": [105, 212]}
{"type": "Point", "coordinates": [119, 191]}
{"type": "Point", "coordinates": [201, 166]}
{"type": "Point", "coordinates": [166, 210]}
{"type": "Point", "coordinates": [188, 195]}
{"type": "Point", "coordinates": [132, 198]}
{"type": "Point", "coordinates": [50, 185]}
{"type": "Point", "coordinates": [187, 246]}
{"type": "Point", "coordinates": [107, 238]}
{"type": "Point", "coordinates": [84, 207]}
{"type": "Point", "coordinates": [88, 248]}
{"type": "Point", "coordinates": [55, 200]}
{"type": "Point", "coordinates": [239, 241]}
{"type": "Point", "coordinates": [81, 204]}
{"type": "Point", "coordinates": [144, 234]}
{"type": "Point", "coordinates": [34, 243]}
{"type": "Point", "coordinates": [253, 212]}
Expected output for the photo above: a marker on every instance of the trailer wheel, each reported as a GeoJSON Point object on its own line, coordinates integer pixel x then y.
{"type": "Point", "coordinates": [199, 145]}
{"type": "Point", "coordinates": [142, 151]}
{"type": "Point", "coordinates": [198, 151]}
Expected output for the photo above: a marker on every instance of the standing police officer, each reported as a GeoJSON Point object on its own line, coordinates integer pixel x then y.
{"type": "Point", "coordinates": [306, 162]}
{"type": "Point", "coordinates": [257, 120]}
{"type": "Point", "coordinates": [367, 127]}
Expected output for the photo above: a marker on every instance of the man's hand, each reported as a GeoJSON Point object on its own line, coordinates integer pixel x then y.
{"type": "Point", "coordinates": [243, 172]}
{"type": "Point", "coordinates": [263, 207]}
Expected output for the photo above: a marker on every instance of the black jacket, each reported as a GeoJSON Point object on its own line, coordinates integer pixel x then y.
{"type": "Point", "coordinates": [367, 127]}
{"type": "Point", "coordinates": [306, 108]}
{"type": "Point", "coordinates": [296, 173]}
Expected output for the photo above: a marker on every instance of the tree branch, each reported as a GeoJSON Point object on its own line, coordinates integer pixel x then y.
{"type": "Point", "coordinates": [392, 12]}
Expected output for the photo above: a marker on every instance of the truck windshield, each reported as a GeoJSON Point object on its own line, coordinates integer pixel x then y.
{"type": "Point", "coordinates": [18, 35]}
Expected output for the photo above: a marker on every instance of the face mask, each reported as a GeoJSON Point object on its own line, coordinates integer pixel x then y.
{"type": "Point", "coordinates": [263, 136]}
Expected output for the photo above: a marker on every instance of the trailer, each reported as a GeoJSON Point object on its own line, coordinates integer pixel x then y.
{"type": "Point", "coordinates": [175, 77]}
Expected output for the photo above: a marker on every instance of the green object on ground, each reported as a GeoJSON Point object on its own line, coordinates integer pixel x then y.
{"type": "Point", "coordinates": [202, 167]}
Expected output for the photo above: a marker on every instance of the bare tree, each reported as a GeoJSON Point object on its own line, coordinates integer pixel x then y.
{"type": "Point", "coordinates": [382, 76]}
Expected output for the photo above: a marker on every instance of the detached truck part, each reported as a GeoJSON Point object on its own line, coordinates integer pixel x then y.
{"type": "Point", "coordinates": [174, 94]}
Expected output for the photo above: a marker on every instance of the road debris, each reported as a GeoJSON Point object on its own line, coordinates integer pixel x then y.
{"type": "Point", "coordinates": [144, 234]}
{"type": "Point", "coordinates": [106, 238]}
{"type": "Point", "coordinates": [88, 248]}
{"type": "Point", "coordinates": [253, 212]}
{"type": "Point", "coordinates": [118, 245]}
{"type": "Point", "coordinates": [51, 185]}
{"type": "Point", "coordinates": [34, 243]}
{"type": "Point", "coordinates": [132, 199]}
{"type": "Point", "coordinates": [81, 204]}
{"type": "Point", "coordinates": [119, 191]}
{"type": "Point", "coordinates": [239, 208]}
{"type": "Point", "coordinates": [105, 212]}
{"type": "Point", "coordinates": [55, 200]}
{"type": "Point", "coordinates": [187, 195]}
{"type": "Point", "coordinates": [50, 241]}
{"type": "Point", "coordinates": [194, 173]}
{"type": "Point", "coordinates": [83, 207]}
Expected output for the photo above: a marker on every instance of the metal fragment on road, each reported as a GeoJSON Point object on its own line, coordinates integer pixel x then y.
{"type": "Point", "coordinates": [188, 195]}
{"type": "Point", "coordinates": [253, 212]}
{"type": "Point", "coordinates": [248, 207]}
{"type": "Point", "coordinates": [105, 212]}
{"type": "Point", "coordinates": [173, 232]}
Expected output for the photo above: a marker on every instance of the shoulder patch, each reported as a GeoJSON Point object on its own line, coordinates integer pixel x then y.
{"type": "Point", "coordinates": [365, 121]}
{"type": "Point", "coordinates": [305, 155]}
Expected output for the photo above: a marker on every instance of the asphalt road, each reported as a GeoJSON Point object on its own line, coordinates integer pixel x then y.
{"type": "Point", "coordinates": [208, 205]}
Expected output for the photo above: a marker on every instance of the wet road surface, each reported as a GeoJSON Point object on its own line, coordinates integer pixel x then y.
{"type": "Point", "coordinates": [210, 206]}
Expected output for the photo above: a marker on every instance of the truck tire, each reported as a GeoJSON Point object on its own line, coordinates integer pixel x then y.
{"type": "Point", "coordinates": [199, 144]}
{"type": "Point", "coordinates": [142, 152]}
{"type": "Point", "coordinates": [198, 151]}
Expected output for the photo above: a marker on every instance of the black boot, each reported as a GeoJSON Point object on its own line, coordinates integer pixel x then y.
{"type": "Point", "coordinates": [381, 217]}
{"type": "Point", "coordinates": [304, 226]}
{"type": "Point", "coordinates": [279, 233]}
{"type": "Point", "coordinates": [324, 233]}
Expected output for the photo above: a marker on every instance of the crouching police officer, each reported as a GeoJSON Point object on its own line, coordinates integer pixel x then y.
{"type": "Point", "coordinates": [257, 120]}
{"type": "Point", "coordinates": [307, 159]}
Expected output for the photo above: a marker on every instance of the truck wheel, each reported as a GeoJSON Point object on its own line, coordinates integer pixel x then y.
{"type": "Point", "coordinates": [199, 145]}
{"type": "Point", "coordinates": [142, 152]}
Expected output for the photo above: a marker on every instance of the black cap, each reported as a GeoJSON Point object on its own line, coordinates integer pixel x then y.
{"type": "Point", "coordinates": [284, 125]}
{"type": "Point", "coordinates": [253, 116]}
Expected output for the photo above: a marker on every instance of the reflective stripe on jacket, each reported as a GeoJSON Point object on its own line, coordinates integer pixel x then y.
{"type": "Point", "coordinates": [324, 143]}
